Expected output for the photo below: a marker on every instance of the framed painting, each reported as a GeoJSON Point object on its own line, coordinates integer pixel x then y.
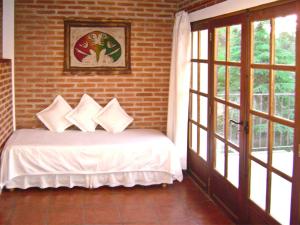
{"type": "Point", "coordinates": [102, 46]}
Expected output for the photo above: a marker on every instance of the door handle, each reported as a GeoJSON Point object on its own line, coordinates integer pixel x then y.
{"type": "Point", "coordinates": [237, 123]}
{"type": "Point", "coordinates": [242, 123]}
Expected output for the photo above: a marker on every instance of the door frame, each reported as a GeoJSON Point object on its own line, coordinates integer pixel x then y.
{"type": "Point", "coordinates": [247, 210]}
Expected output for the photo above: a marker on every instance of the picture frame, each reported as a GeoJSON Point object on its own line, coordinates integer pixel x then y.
{"type": "Point", "coordinates": [102, 46]}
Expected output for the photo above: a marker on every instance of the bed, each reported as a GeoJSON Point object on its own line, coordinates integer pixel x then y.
{"type": "Point", "coordinates": [41, 158]}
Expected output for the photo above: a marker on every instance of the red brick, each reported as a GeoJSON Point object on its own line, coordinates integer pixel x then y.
{"type": "Point", "coordinates": [6, 117]}
{"type": "Point", "coordinates": [39, 73]}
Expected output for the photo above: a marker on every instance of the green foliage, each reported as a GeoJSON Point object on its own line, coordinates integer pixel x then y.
{"type": "Point", "coordinates": [284, 81]}
{"type": "Point", "coordinates": [284, 85]}
{"type": "Point", "coordinates": [235, 43]}
{"type": "Point", "coordinates": [262, 42]}
{"type": "Point", "coordinates": [221, 43]}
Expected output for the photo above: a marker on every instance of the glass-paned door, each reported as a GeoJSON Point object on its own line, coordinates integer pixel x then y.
{"type": "Point", "coordinates": [249, 110]}
{"type": "Point", "coordinates": [272, 114]}
{"type": "Point", "coordinates": [198, 116]}
{"type": "Point", "coordinates": [227, 101]}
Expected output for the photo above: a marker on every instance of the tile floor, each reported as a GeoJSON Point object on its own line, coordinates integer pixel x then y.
{"type": "Point", "coordinates": [179, 204]}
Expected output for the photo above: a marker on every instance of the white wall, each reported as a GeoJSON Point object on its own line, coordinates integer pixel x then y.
{"type": "Point", "coordinates": [228, 6]}
{"type": "Point", "coordinates": [8, 42]}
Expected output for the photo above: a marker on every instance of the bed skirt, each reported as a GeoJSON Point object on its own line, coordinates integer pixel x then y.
{"type": "Point", "coordinates": [126, 179]}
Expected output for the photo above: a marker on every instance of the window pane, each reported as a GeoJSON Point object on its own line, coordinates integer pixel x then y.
{"type": "Point", "coordinates": [195, 76]}
{"type": "Point", "coordinates": [220, 156]}
{"type": "Point", "coordinates": [261, 41]}
{"type": "Point", "coordinates": [194, 107]}
{"type": "Point", "coordinates": [259, 138]}
{"type": "Point", "coordinates": [195, 45]}
{"type": "Point", "coordinates": [194, 137]}
{"type": "Point", "coordinates": [204, 44]}
{"type": "Point", "coordinates": [203, 111]}
{"type": "Point", "coordinates": [260, 85]}
{"type": "Point", "coordinates": [221, 43]}
{"type": "Point", "coordinates": [285, 40]}
{"type": "Point", "coordinates": [221, 81]}
{"type": "Point", "coordinates": [285, 94]}
{"type": "Point", "coordinates": [258, 182]}
{"type": "Point", "coordinates": [234, 84]}
{"type": "Point", "coordinates": [233, 136]}
{"type": "Point", "coordinates": [220, 120]}
{"type": "Point", "coordinates": [204, 78]}
{"type": "Point", "coordinates": [281, 191]}
{"type": "Point", "coordinates": [233, 166]}
{"type": "Point", "coordinates": [283, 143]}
{"type": "Point", "coordinates": [203, 144]}
{"type": "Point", "coordinates": [235, 43]}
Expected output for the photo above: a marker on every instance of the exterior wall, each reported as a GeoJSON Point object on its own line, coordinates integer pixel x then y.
{"type": "Point", "coordinates": [6, 118]}
{"type": "Point", "coordinates": [39, 50]}
{"type": "Point", "coordinates": [190, 5]}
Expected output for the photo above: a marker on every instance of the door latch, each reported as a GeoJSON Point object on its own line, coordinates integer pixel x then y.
{"type": "Point", "coordinates": [245, 126]}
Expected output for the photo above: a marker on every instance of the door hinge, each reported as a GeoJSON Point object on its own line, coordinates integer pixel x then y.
{"type": "Point", "coordinates": [210, 36]}
{"type": "Point", "coordinates": [299, 151]}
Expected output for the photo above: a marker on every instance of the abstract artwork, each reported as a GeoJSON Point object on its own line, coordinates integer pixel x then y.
{"type": "Point", "coordinates": [103, 46]}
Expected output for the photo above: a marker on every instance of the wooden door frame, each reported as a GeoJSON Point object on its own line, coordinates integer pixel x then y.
{"type": "Point", "coordinates": [295, 208]}
{"type": "Point", "coordinates": [197, 167]}
{"type": "Point", "coordinates": [240, 213]}
{"type": "Point", "coordinates": [270, 11]}
{"type": "Point", "coordinates": [247, 212]}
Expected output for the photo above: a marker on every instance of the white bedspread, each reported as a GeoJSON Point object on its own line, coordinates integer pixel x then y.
{"type": "Point", "coordinates": [42, 152]}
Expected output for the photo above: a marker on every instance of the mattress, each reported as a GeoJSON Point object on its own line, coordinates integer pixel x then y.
{"type": "Point", "coordinates": [41, 158]}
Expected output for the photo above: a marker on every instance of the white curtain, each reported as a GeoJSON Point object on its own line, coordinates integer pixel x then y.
{"type": "Point", "coordinates": [177, 126]}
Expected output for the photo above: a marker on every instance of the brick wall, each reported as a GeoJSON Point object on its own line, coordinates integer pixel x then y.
{"type": "Point", "coordinates": [6, 120]}
{"type": "Point", "coordinates": [192, 5]}
{"type": "Point", "coordinates": [39, 49]}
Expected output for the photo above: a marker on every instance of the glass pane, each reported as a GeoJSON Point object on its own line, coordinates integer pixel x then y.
{"type": "Point", "coordinates": [233, 166]}
{"type": "Point", "coordinates": [285, 40]}
{"type": "Point", "coordinates": [194, 107]}
{"type": "Point", "coordinates": [203, 111]}
{"type": "Point", "coordinates": [195, 76]}
{"type": "Point", "coordinates": [221, 43]}
{"type": "Point", "coordinates": [220, 156]}
{"type": "Point", "coordinates": [285, 94]}
{"type": "Point", "coordinates": [260, 131]}
{"type": "Point", "coordinates": [261, 41]}
{"type": "Point", "coordinates": [204, 78]}
{"type": "Point", "coordinates": [195, 45]}
{"type": "Point", "coordinates": [194, 137]}
{"type": "Point", "coordinates": [281, 191]}
{"type": "Point", "coordinates": [221, 81]}
{"type": "Point", "coordinates": [235, 43]}
{"type": "Point", "coordinates": [220, 120]}
{"type": "Point", "coordinates": [258, 184]}
{"type": "Point", "coordinates": [283, 143]}
{"type": "Point", "coordinates": [234, 84]}
{"type": "Point", "coordinates": [204, 44]}
{"type": "Point", "coordinates": [203, 144]}
{"type": "Point", "coordinates": [233, 136]}
{"type": "Point", "coordinates": [260, 85]}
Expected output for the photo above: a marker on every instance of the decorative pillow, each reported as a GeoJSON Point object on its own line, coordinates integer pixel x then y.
{"type": "Point", "coordinates": [113, 117]}
{"type": "Point", "coordinates": [82, 115]}
{"type": "Point", "coordinates": [53, 117]}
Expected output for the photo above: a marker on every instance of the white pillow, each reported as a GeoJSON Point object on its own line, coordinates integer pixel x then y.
{"type": "Point", "coordinates": [113, 117]}
{"type": "Point", "coordinates": [82, 115]}
{"type": "Point", "coordinates": [53, 117]}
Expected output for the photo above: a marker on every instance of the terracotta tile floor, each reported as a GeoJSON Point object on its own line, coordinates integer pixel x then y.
{"type": "Point", "coordinates": [179, 204]}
